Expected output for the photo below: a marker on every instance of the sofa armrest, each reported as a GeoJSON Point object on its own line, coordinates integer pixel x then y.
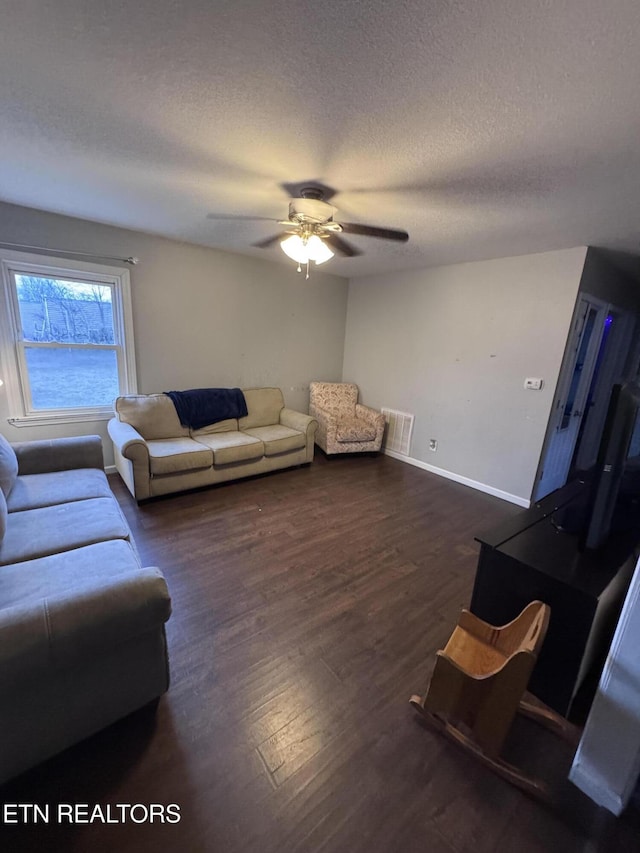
{"type": "Point", "coordinates": [128, 440]}
{"type": "Point", "coordinates": [131, 455]}
{"type": "Point", "coordinates": [297, 420]}
{"type": "Point", "coordinates": [66, 628]}
{"type": "Point", "coordinates": [59, 454]}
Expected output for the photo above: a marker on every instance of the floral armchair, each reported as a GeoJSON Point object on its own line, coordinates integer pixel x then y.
{"type": "Point", "coordinates": [344, 426]}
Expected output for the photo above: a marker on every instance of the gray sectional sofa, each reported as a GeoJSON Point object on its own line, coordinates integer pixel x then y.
{"type": "Point", "coordinates": [156, 455]}
{"type": "Point", "coordinates": [82, 640]}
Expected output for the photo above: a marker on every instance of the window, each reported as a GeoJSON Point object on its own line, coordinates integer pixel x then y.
{"type": "Point", "coordinates": [67, 338]}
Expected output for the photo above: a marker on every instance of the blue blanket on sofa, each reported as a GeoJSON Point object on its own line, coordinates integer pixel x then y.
{"type": "Point", "coordinates": [200, 407]}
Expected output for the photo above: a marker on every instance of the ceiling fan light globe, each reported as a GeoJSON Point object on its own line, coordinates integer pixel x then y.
{"type": "Point", "coordinates": [318, 250]}
{"type": "Point", "coordinates": [296, 249]}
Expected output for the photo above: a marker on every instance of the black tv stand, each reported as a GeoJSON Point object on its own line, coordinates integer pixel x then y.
{"type": "Point", "coordinates": [538, 554]}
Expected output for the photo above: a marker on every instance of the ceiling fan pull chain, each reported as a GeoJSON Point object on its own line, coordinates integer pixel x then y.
{"type": "Point", "coordinates": [307, 275]}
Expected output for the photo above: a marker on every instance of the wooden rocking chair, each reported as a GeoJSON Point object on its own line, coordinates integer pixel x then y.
{"type": "Point", "coordinates": [478, 684]}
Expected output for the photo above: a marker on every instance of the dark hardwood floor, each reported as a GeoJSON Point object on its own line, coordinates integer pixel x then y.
{"type": "Point", "coordinates": [308, 605]}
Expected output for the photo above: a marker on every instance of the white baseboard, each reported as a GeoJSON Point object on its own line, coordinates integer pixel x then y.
{"type": "Point", "coordinates": [458, 478]}
{"type": "Point", "coordinates": [110, 469]}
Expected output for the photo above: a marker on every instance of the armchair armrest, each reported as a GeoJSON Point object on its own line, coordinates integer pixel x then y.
{"type": "Point", "coordinates": [369, 414]}
{"type": "Point", "coordinates": [59, 454]}
{"type": "Point", "coordinates": [374, 417]}
{"type": "Point", "coordinates": [327, 424]}
{"type": "Point", "coordinates": [70, 626]}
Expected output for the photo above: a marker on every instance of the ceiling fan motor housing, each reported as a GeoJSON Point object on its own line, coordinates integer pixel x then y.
{"type": "Point", "coordinates": [310, 210]}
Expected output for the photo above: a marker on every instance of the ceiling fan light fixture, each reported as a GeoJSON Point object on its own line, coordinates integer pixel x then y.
{"type": "Point", "coordinates": [302, 250]}
{"type": "Point", "coordinates": [295, 248]}
{"type": "Point", "coordinates": [318, 250]}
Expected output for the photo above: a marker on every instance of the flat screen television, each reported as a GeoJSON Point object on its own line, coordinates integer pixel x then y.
{"type": "Point", "coordinates": [616, 476]}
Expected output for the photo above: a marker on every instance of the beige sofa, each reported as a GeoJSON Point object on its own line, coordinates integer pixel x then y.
{"type": "Point", "coordinates": [156, 455]}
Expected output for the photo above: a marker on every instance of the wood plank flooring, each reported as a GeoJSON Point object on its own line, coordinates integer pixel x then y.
{"type": "Point", "coordinates": [307, 607]}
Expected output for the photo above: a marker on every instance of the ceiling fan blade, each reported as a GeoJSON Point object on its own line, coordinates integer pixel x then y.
{"type": "Point", "coordinates": [240, 217]}
{"type": "Point", "coordinates": [268, 242]}
{"type": "Point", "coordinates": [341, 246]}
{"type": "Point", "coordinates": [373, 231]}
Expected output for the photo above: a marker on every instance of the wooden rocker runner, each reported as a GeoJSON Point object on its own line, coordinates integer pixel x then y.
{"type": "Point", "coordinates": [478, 684]}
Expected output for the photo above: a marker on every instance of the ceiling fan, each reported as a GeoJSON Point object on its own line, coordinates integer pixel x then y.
{"type": "Point", "coordinates": [313, 234]}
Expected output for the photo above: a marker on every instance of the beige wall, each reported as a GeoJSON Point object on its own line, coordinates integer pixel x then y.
{"type": "Point", "coordinates": [453, 346]}
{"type": "Point", "coordinates": [202, 317]}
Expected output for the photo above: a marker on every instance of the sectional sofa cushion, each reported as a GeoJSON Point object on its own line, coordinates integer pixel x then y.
{"type": "Point", "coordinates": [52, 529]}
{"type": "Point", "coordinates": [56, 487]}
{"type": "Point", "coordinates": [278, 439]}
{"type": "Point", "coordinates": [8, 466]}
{"type": "Point", "coordinates": [264, 406]}
{"type": "Point", "coordinates": [153, 415]}
{"type": "Point", "coordinates": [172, 455]}
{"type": "Point", "coordinates": [233, 446]}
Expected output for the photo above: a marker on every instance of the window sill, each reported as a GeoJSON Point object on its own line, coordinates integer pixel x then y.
{"type": "Point", "coordinates": [63, 418]}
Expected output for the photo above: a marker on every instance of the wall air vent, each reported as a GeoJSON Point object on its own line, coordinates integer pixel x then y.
{"type": "Point", "coordinates": [397, 435]}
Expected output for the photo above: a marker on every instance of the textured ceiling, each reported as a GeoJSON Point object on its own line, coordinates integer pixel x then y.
{"type": "Point", "coordinates": [484, 129]}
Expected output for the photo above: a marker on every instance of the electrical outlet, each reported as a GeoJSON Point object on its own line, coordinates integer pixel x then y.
{"type": "Point", "coordinates": [433, 444]}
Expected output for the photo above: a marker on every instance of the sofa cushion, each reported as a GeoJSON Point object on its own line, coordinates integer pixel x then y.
{"type": "Point", "coordinates": [355, 429]}
{"type": "Point", "coordinates": [57, 487]}
{"type": "Point", "coordinates": [153, 415]}
{"type": "Point", "coordinates": [8, 466]}
{"type": "Point", "coordinates": [233, 446]}
{"type": "Point", "coordinates": [278, 439]}
{"type": "Point", "coordinates": [174, 455]}
{"type": "Point", "coordinates": [53, 529]}
{"type": "Point", "coordinates": [23, 583]}
{"type": "Point", "coordinates": [264, 406]}
{"type": "Point", "coordinates": [220, 426]}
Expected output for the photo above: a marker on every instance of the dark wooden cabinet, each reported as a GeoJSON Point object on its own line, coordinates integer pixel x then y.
{"type": "Point", "coordinates": [537, 555]}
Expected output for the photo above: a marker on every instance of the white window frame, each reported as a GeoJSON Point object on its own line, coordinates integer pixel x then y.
{"type": "Point", "coordinates": [15, 373]}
